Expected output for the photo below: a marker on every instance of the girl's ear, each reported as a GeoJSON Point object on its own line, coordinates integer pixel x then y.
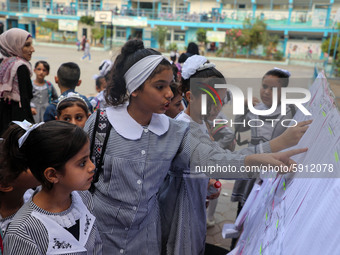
{"type": "Point", "coordinates": [51, 175]}
{"type": "Point", "coordinates": [4, 188]}
{"type": "Point", "coordinates": [134, 94]}
{"type": "Point", "coordinates": [188, 96]}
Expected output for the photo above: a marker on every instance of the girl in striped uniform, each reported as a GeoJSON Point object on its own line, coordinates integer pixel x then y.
{"type": "Point", "coordinates": [16, 183]}
{"type": "Point", "coordinates": [140, 148]}
{"type": "Point", "coordinates": [56, 219]}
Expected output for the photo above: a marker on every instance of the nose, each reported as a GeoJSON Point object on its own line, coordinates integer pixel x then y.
{"type": "Point", "coordinates": [33, 50]}
{"type": "Point", "coordinates": [92, 167]}
{"type": "Point", "coordinates": [169, 93]}
{"type": "Point", "coordinates": [73, 121]}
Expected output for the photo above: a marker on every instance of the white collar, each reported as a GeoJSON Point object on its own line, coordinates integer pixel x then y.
{"type": "Point", "coordinates": [127, 127]}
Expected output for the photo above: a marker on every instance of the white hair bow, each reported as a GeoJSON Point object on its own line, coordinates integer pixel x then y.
{"type": "Point", "coordinates": [193, 64]}
{"type": "Point", "coordinates": [29, 127]}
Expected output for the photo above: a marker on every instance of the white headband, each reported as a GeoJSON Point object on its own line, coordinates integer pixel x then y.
{"type": "Point", "coordinates": [29, 127]}
{"type": "Point", "coordinates": [193, 64]}
{"type": "Point", "coordinates": [70, 95]}
{"type": "Point", "coordinates": [140, 71]}
{"type": "Point", "coordinates": [283, 70]}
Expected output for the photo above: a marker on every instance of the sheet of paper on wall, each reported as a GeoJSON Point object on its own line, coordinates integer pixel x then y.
{"type": "Point", "coordinates": [292, 214]}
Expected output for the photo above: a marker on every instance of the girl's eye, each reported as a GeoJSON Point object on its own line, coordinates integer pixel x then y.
{"type": "Point", "coordinates": [79, 118]}
{"type": "Point", "coordinates": [67, 119]}
{"type": "Point", "coordinates": [160, 87]}
{"type": "Point", "coordinates": [82, 164]}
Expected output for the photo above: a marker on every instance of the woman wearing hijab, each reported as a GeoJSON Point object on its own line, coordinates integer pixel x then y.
{"type": "Point", "coordinates": [15, 77]}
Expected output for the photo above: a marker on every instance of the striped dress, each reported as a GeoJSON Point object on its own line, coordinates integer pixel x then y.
{"type": "Point", "coordinates": [136, 161]}
{"type": "Point", "coordinates": [35, 231]}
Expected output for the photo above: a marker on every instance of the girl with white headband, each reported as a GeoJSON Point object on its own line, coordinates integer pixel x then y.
{"type": "Point", "coordinates": [57, 219]}
{"type": "Point", "coordinates": [133, 157]}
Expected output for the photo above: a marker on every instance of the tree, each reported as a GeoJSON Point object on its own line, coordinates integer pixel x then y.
{"type": "Point", "coordinates": [254, 34]}
{"type": "Point", "coordinates": [88, 20]}
{"type": "Point", "coordinates": [49, 25]}
{"type": "Point", "coordinates": [160, 34]}
{"type": "Point", "coordinates": [232, 40]}
{"type": "Point", "coordinates": [271, 41]}
{"type": "Point", "coordinates": [201, 35]}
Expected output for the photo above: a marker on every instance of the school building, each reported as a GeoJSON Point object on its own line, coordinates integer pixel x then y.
{"type": "Point", "coordinates": [301, 25]}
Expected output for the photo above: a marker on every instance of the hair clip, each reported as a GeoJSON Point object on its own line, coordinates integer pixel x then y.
{"type": "Point", "coordinates": [283, 70]}
{"type": "Point", "coordinates": [70, 95]}
{"type": "Point", "coordinates": [29, 127]}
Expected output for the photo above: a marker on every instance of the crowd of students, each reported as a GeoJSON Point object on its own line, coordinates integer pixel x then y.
{"type": "Point", "coordinates": [140, 195]}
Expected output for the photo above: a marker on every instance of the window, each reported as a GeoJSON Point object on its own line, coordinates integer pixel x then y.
{"type": "Point", "coordinates": [120, 33]}
{"type": "Point", "coordinates": [179, 36]}
{"type": "Point", "coordinates": [35, 3]}
{"type": "Point", "coordinates": [241, 6]}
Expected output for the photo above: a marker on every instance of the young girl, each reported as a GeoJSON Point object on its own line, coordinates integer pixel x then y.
{"type": "Point", "coordinates": [73, 108]}
{"type": "Point", "coordinates": [142, 145]}
{"type": "Point", "coordinates": [43, 91]}
{"type": "Point", "coordinates": [15, 77]}
{"type": "Point", "coordinates": [15, 180]}
{"type": "Point", "coordinates": [55, 219]}
{"type": "Point", "coordinates": [176, 106]}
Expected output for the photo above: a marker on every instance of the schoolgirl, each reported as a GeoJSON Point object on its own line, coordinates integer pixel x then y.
{"type": "Point", "coordinates": [43, 91]}
{"type": "Point", "coordinates": [55, 220]}
{"type": "Point", "coordinates": [73, 108]}
{"type": "Point", "coordinates": [140, 148]}
{"type": "Point", "coordinates": [16, 182]}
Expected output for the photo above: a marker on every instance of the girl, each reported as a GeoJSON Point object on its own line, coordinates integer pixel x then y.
{"type": "Point", "coordinates": [15, 77]}
{"type": "Point", "coordinates": [43, 91]}
{"type": "Point", "coordinates": [73, 108]}
{"type": "Point", "coordinates": [176, 106]}
{"type": "Point", "coordinates": [139, 149]}
{"type": "Point", "coordinates": [15, 180]}
{"type": "Point", "coordinates": [55, 219]}
{"type": "Point", "coordinates": [189, 217]}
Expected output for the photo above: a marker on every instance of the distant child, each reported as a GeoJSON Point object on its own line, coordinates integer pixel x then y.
{"type": "Point", "coordinates": [73, 108]}
{"type": "Point", "coordinates": [87, 52]}
{"type": "Point", "coordinates": [67, 79]}
{"type": "Point", "coordinates": [15, 181]}
{"type": "Point", "coordinates": [99, 100]}
{"type": "Point", "coordinates": [43, 91]}
{"type": "Point", "coordinates": [176, 106]}
{"type": "Point", "coordinates": [55, 220]}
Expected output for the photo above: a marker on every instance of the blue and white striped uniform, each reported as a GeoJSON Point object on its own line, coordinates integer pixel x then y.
{"type": "Point", "coordinates": [136, 162]}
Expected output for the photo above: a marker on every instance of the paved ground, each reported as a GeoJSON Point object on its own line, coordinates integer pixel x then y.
{"type": "Point", "coordinates": [240, 73]}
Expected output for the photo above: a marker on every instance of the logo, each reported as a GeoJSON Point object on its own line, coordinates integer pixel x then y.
{"type": "Point", "coordinates": [204, 97]}
{"type": "Point", "coordinates": [238, 100]}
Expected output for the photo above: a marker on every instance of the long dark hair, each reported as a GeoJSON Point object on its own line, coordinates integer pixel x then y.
{"type": "Point", "coordinates": [49, 145]}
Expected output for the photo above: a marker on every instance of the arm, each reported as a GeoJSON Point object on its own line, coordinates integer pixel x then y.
{"type": "Point", "coordinates": [54, 94]}
{"type": "Point", "coordinates": [25, 90]}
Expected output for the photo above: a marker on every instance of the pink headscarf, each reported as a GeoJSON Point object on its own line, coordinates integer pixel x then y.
{"type": "Point", "coordinates": [12, 41]}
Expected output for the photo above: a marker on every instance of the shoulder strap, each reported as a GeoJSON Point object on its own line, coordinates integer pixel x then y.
{"type": "Point", "coordinates": [100, 137]}
{"type": "Point", "coordinates": [49, 89]}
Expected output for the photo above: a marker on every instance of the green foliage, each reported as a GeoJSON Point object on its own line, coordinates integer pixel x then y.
{"type": "Point", "coordinates": [254, 34]}
{"type": "Point", "coordinates": [325, 45]}
{"type": "Point", "coordinates": [49, 25]}
{"type": "Point", "coordinates": [278, 55]}
{"type": "Point", "coordinates": [172, 47]}
{"type": "Point", "coordinates": [233, 39]}
{"type": "Point", "coordinates": [160, 34]}
{"type": "Point", "coordinates": [88, 20]}
{"type": "Point", "coordinates": [201, 35]}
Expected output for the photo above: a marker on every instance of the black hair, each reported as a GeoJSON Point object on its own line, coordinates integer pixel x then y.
{"type": "Point", "coordinates": [132, 51]}
{"type": "Point", "coordinates": [175, 88]}
{"type": "Point", "coordinates": [44, 63]}
{"type": "Point", "coordinates": [68, 75]}
{"type": "Point", "coordinates": [193, 49]}
{"type": "Point", "coordinates": [206, 74]}
{"type": "Point", "coordinates": [71, 101]}
{"type": "Point", "coordinates": [49, 145]}
{"type": "Point", "coordinates": [284, 77]}
{"type": "Point", "coordinates": [209, 76]}
{"type": "Point", "coordinates": [98, 81]}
